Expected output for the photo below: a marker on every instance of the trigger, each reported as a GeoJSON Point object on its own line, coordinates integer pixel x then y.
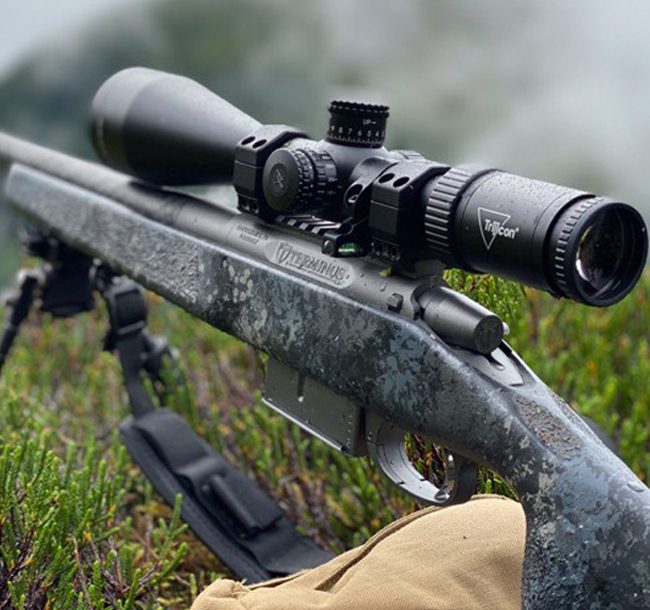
{"type": "Point", "coordinates": [386, 448]}
{"type": "Point", "coordinates": [461, 479]}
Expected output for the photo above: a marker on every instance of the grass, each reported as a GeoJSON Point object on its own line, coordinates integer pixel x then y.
{"type": "Point", "coordinates": [80, 527]}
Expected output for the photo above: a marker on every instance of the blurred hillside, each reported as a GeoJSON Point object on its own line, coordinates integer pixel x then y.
{"type": "Point", "coordinates": [281, 61]}
{"type": "Point", "coordinates": [516, 86]}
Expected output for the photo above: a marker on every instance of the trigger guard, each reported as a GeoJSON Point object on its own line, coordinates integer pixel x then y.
{"type": "Point", "coordinates": [386, 448]}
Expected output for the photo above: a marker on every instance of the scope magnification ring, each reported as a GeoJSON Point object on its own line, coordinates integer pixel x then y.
{"type": "Point", "coordinates": [439, 214]}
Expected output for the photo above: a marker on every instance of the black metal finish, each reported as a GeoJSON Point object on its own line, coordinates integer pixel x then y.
{"type": "Point", "coordinates": [66, 286]}
{"type": "Point", "coordinates": [394, 228]}
{"type": "Point", "coordinates": [250, 159]}
{"type": "Point", "coordinates": [297, 179]}
{"type": "Point", "coordinates": [162, 127]}
{"type": "Point", "coordinates": [357, 124]}
{"type": "Point", "coordinates": [565, 241]}
{"type": "Point", "coordinates": [460, 321]}
{"type": "Point", "coordinates": [569, 242]}
{"type": "Point", "coordinates": [61, 285]}
{"type": "Point", "coordinates": [18, 304]}
{"type": "Point", "coordinates": [127, 335]}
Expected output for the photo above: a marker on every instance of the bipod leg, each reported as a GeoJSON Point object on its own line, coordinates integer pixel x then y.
{"type": "Point", "coordinates": [61, 285]}
{"type": "Point", "coordinates": [140, 354]}
{"type": "Point", "coordinates": [18, 303]}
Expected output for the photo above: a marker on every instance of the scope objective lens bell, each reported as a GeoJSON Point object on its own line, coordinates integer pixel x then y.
{"type": "Point", "coordinates": [166, 129]}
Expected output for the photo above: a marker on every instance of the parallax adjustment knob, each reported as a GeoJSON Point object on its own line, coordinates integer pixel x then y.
{"type": "Point", "coordinates": [357, 124]}
{"type": "Point", "coordinates": [298, 180]}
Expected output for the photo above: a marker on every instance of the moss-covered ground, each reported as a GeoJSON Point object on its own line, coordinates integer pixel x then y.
{"type": "Point", "coordinates": [81, 528]}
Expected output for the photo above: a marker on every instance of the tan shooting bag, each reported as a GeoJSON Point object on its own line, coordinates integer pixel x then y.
{"type": "Point", "coordinates": [459, 558]}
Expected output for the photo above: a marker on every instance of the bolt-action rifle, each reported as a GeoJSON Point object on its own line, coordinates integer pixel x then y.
{"type": "Point", "coordinates": [333, 266]}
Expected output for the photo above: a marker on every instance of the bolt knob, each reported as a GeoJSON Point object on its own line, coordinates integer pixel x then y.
{"type": "Point", "coordinates": [357, 124]}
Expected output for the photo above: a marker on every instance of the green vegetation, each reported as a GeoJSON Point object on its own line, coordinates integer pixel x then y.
{"type": "Point", "coordinates": [598, 360]}
{"type": "Point", "coordinates": [79, 526]}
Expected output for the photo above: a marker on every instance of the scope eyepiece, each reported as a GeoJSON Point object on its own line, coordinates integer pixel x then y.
{"type": "Point", "coordinates": [597, 250]}
{"type": "Point", "coordinates": [571, 243]}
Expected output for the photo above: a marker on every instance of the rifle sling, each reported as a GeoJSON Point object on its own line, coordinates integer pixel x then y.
{"type": "Point", "coordinates": [225, 508]}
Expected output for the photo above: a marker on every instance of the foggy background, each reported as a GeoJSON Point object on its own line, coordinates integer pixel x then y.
{"type": "Point", "coordinates": [552, 90]}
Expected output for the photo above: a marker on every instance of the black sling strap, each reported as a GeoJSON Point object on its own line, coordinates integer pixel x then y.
{"type": "Point", "coordinates": [226, 509]}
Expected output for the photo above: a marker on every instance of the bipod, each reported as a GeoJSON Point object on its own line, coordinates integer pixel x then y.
{"type": "Point", "coordinates": [226, 509]}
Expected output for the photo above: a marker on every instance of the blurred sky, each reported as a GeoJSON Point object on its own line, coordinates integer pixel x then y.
{"type": "Point", "coordinates": [26, 25]}
{"type": "Point", "coordinates": [554, 90]}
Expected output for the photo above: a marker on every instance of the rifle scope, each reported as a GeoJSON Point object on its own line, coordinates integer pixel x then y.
{"type": "Point", "coordinates": [361, 199]}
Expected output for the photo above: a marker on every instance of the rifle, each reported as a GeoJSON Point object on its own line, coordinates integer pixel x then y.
{"type": "Point", "coordinates": [332, 265]}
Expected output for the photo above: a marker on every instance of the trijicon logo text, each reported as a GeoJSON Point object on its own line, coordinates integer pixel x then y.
{"type": "Point", "coordinates": [493, 224]}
